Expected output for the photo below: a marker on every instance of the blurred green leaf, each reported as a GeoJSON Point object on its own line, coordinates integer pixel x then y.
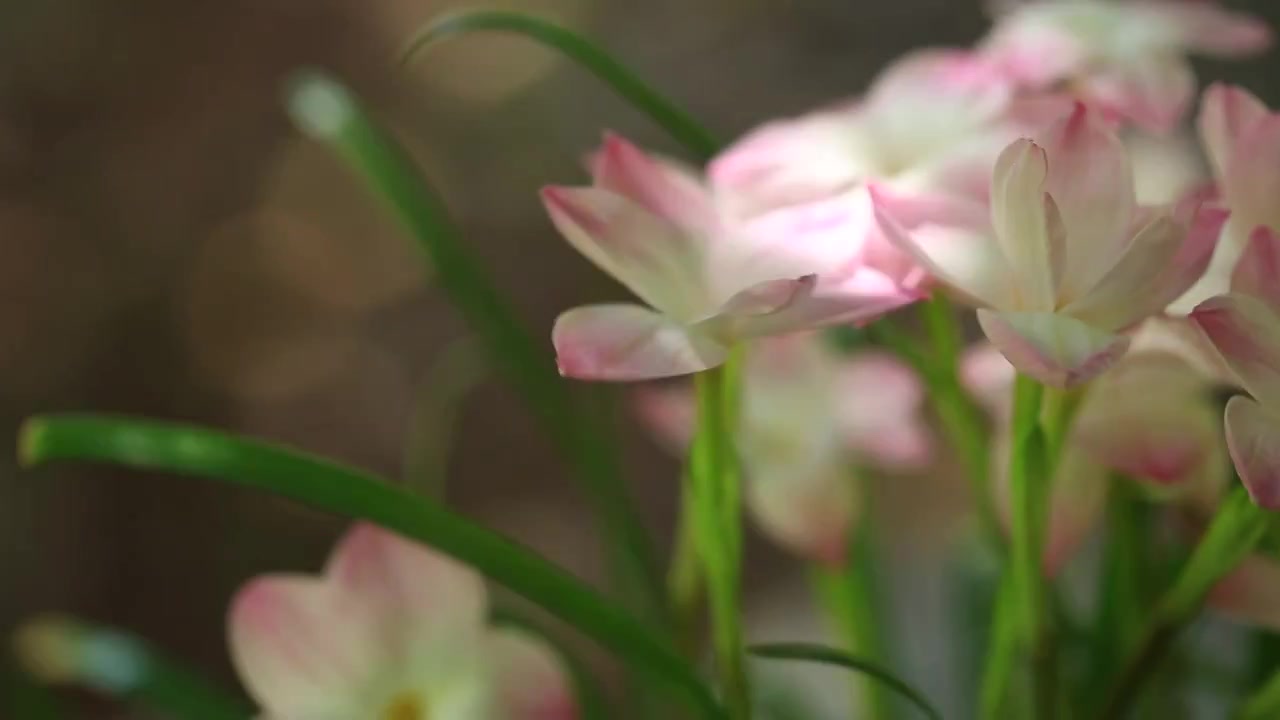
{"type": "Point", "coordinates": [830, 656]}
{"type": "Point", "coordinates": [351, 493]}
{"type": "Point", "coordinates": [675, 121]}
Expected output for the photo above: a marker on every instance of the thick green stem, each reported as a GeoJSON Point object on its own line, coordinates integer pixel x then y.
{"type": "Point", "coordinates": [1121, 604]}
{"type": "Point", "coordinates": [1236, 529]}
{"type": "Point", "coordinates": [716, 496]}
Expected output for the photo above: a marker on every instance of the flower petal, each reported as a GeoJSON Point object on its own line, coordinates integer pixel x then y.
{"type": "Point", "coordinates": [1251, 179]}
{"type": "Point", "coordinates": [1165, 259]}
{"type": "Point", "coordinates": [879, 403]}
{"type": "Point", "coordinates": [1210, 29]}
{"type": "Point", "coordinates": [1022, 221]}
{"type": "Point", "coordinates": [1247, 334]}
{"type": "Point", "coordinates": [986, 373]}
{"type": "Point", "coordinates": [1250, 594]}
{"type": "Point", "coordinates": [531, 681]}
{"type": "Point", "coordinates": [1257, 272]}
{"type": "Point", "coordinates": [810, 509]}
{"type": "Point", "coordinates": [670, 412]}
{"type": "Point", "coordinates": [1055, 349]}
{"type": "Point", "coordinates": [663, 187]}
{"type": "Point", "coordinates": [951, 240]}
{"type": "Point", "coordinates": [298, 652]}
{"type": "Point", "coordinates": [421, 600]}
{"type": "Point", "coordinates": [1152, 91]}
{"type": "Point", "coordinates": [1253, 437]}
{"type": "Point", "coordinates": [1227, 112]}
{"type": "Point", "coordinates": [629, 342]}
{"type": "Point", "coordinates": [1090, 179]}
{"type": "Point", "coordinates": [821, 302]}
{"type": "Point", "coordinates": [662, 264]}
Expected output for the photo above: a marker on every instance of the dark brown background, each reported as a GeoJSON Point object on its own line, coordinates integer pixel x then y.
{"type": "Point", "coordinates": [170, 247]}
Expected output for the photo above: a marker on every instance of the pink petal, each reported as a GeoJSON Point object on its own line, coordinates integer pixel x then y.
{"type": "Point", "coordinates": [1250, 594]}
{"type": "Point", "coordinates": [1253, 437]}
{"type": "Point", "coordinates": [879, 407]}
{"type": "Point", "coordinates": [670, 412]}
{"type": "Point", "coordinates": [421, 599]}
{"type": "Point", "coordinates": [1213, 30]}
{"type": "Point", "coordinates": [531, 681]}
{"type": "Point", "coordinates": [1091, 182]}
{"type": "Point", "coordinates": [988, 376]}
{"type": "Point", "coordinates": [809, 509]}
{"type": "Point", "coordinates": [1055, 349]}
{"type": "Point", "coordinates": [951, 240]}
{"type": "Point", "coordinates": [629, 342]}
{"type": "Point", "coordinates": [298, 651]}
{"type": "Point", "coordinates": [856, 299]}
{"type": "Point", "coordinates": [662, 187]}
{"type": "Point", "coordinates": [1022, 215]}
{"type": "Point", "coordinates": [1251, 178]}
{"type": "Point", "coordinates": [1258, 271]}
{"type": "Point", "coordinates": [1247, 334]}
{"type": "Point", "coordinates": [658, 261]}
{"type": "Point", "coordinates": [1153, 91]}
{"type": "Point", "coordinates": [1161, 263]}
{"type": "Point", "coordinates": [1226, 113]}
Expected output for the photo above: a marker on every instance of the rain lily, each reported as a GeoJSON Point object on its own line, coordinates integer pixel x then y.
{"type": "Point", "coordinates": [808, 415]}
{"type": "Point", "coordinates": [710, 280]}
{"type": "Point", "coordinates": [1242, 139]}
{"type": "Point", "coordinates": [394, 631]}
{"type": "Point", "coordinates": [1128, 57]}
{"type": "Point", "coordinates": [1066, 260]}
{"type": "Point", "coordinates": [1244, 325]}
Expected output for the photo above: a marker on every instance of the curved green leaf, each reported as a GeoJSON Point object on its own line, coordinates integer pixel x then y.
{"type": "Point", "coordinates": [679, 124]}
{"type": "Point", "coordinates": [830, 656]}
{"type": "Point", "coordinates": [348, 492]}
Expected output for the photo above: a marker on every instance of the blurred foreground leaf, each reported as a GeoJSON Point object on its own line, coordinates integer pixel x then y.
{"type": "Point", "coordinates": [830, 656]}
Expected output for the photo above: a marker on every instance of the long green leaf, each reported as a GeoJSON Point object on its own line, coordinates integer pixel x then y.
{"type": "Point", "coordinates": [328, 111]}
{"type": "Point", "coordinates": [830, 656]}
{"type": "Point", "coordinates": [679, 124]}
{"type": "Point", "coordinates": [348, 492]}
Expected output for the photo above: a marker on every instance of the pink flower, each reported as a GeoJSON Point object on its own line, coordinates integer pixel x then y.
{"type": "Point", "coordinates": [1129, 57]}
{"type": "Point", "coordinates": [1067, 260]}
{"type": "Point", "coordinates": [1250, 594]}
{"type": "Point", "coordinates": [808, 415]}
{"type": "Point", "coordinates": [391, 630]}
{"type": "Point", "coordinates": [1244, 325]}
{"type": "Point", "coordinates": [710, 280]}
{"type": "Point", "coordinates": [1242, 139]}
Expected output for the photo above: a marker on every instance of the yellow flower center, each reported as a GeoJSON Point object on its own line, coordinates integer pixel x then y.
{"type": "Point", "coordinates": [406, 706]}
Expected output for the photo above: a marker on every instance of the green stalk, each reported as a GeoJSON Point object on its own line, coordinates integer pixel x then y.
{"type": "Point", "coordinates": [350, 493]}
{"type": "Point", "coordinates": [684, 577]}
{"type": "Point", "coordinates": [65, 651]}
{"type": "Point", "coordinates": [962, 420]}
{"type": "Point", "coordinates": [1264, 704]}
{"type": "Point", "coordinates": [669, 116]}
{"type": "Point", "coordinates": [1121, 603]}
{"type": "Point", "coordinates": [848, 598]}
{"type": "Point", "coordinates": [717, 506]}
{"type": "Point", "coordinates": [1236, 529]}
{"type": "Point", "coordinates": [329, 112]}
{"type": "Point", "coordinates": [999, 669]}
{"type": "Point", "coordinates": [1029, 507]}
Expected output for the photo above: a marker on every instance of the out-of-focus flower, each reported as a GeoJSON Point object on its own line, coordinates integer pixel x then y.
{"type": "Point", "coordinates": [1129, 58]}
{"type": "Point", "coordinates": [1244, 325]}
{"type": "Point", "coordinates": [1250, 594]}
{"type": "Point", "coordinates": [1067, 260]}
{"type": "Point", "coordinates": [1165, 168]}
{"type": "Point", "coordinates": [808, 416]}
{"type": "Point", "coordinates": [711, 280]}
{"type": "Point", "coordinates": [390, 630]}
{"type": "Point", "coordinates": [1242, 139]}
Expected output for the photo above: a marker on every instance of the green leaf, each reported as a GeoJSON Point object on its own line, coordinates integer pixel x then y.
{"type": "Point", "coordinates": [351, 493]}
{"type": "Point", "coordinates": [830, 656]}
{"type": "Point", "coordinates": [675, 121]}
{"type": "Point", "coordinates": [329, 112]}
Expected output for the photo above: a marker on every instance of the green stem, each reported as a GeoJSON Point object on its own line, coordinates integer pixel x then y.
{"type": "Point", "coordinates": [1029, 506]}
{"type": "Point", "coordinates": [351, 493]}
{"type": "Point", "coordinates": [327, 110]}
{"type": "Point", "coordinates": [677, 123]}
{"type": "Point", "coordinates": [716, 499]}
{"type": "Point", "coordinates": [848, 598]}
{"type": "Point", "coordinates": [1121, 604]}
{"type": "Point", "coordinates": [962, 420]}
{"type": "Point", "coordinates": [1236, 529]}
{"type": "Point", "coordinates": [61, 650]}
{"type": "Point", "coordinates": [684, 578]}
{"type": "Point", "coordinates": [1264, 704]}
{"type": "Point", "coordinates": [997, 675]}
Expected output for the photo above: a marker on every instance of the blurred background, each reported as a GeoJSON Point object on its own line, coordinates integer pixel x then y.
{"type": "Point", "coordinates": [169, 246]}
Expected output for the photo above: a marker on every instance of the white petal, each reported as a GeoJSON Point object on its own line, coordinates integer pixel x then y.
{"type": "Point", "coordinates": [1022, 223]}
{"type": "Point", "coordinates": [1253, 437]}
{"type": "Point", "coordinates": [629, 342]}
{"type": "Point", "coordinates": [1055, 349]}
{"type": "Point", "coordinates": [531, 681]}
